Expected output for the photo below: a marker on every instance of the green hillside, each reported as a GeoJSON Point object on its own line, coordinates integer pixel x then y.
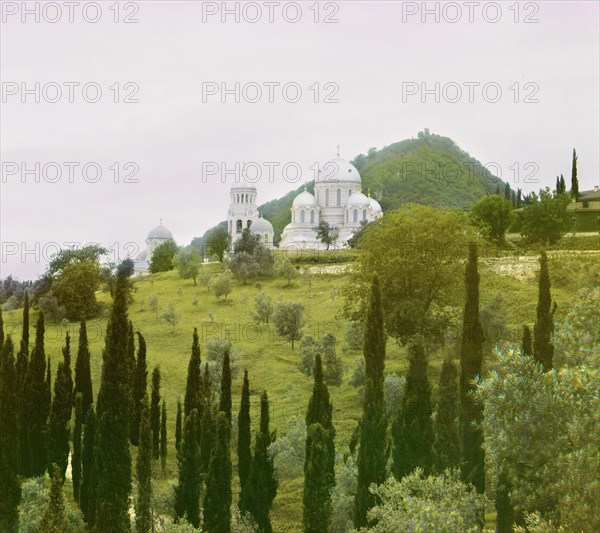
{"type": "Point", "coordinates": [270, 360]}
{"type": "Point", "coordinates": [431, 170]}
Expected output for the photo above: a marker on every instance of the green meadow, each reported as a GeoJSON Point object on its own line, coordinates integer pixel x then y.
{"type": "Point", "coordinates": [269, 359]}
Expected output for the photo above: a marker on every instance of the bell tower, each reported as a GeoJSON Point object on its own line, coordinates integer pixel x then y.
{"type": "Point", "coordinates": [242, 209]}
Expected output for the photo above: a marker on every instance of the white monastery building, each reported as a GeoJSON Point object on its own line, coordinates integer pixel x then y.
{"type": "Point", "coordinates": [338, 200]}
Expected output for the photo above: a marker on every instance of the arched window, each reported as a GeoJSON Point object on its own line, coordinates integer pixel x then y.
{"type": "Point", "coordinates": [248, 224]}
{"type": "Point", "coordinates": [302, 216]}
{"type": "Point", "coordinates": [266, 238]}
{"type": "Point", "coordinates": [346, 216]}
{"type": "Point", "coordinates": [327, 197]}
{"type": "Point", "coordinates": [355, 216]}
{"type": "Point", "coordinates": [312, 216]}
{"type": "Point", "coordinates": [339, 197]}
{"type": "Point", "coordinates": [349, 193]}
{"type": "Point", "coordinates": [230, 224]}
{"type": "Point", "coordinates": [238, 226]}
{"type": "Point", "coordinates": [364, 214]}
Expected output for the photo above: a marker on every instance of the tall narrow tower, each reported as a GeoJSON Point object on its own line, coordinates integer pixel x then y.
{"type": "Point", "coordinates": [242, 209]}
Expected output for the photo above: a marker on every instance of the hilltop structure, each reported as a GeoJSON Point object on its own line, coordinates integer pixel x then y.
{"type": "Point", "coordinates": [338, 200]}
{"type": "Point", "coordinates": [155, 238]}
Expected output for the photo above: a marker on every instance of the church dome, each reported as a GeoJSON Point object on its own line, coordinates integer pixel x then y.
{"type": "Point", "coordinates": [160, 232]}
{"type": "Point", "coordinates": [375, 206]}
{"type": "Point", "coordinates": [339, 170]}
{"type": "Point", "coordinates": [261, 225]}
{"type": "Point", "coordinates": [305, 199]}
{"type": "Point", "coordinates": [358, 199]}
{"type": "Point", "coordinates": [244, 185]}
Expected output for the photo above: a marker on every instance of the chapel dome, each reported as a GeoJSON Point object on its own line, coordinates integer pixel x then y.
{"type": "Point", "coordinates": [358, 199]}
{"type": "Point", "coordinates": [375, 205]}
{"type": "Point", "coordinates": [243, 186]}
{"type": "Point", "coordinates": [339, 170]}
{"type": "Point", "coordinates": [160, 232]}
{"type": "Point", "coordinates": [261, 225]}
{"type": "Point", "coordinates": [305, 199]}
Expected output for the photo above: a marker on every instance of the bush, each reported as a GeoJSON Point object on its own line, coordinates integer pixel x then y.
{"type": "Point", "coordinates": [34, 497]}
{"type": "Point", "coordinates": [221, 284]}
{"type": "Point", "coordinates": [286, 270]}
{"type": "Point", "coordinates": [423, 504]}
{"type": "Point", "coordinates": [354, 335]}
{"type": "Point", "coordinates": [359, 374]}
{"type": "Point", "coordinates": [288, 452]}
{"type": "Point", "coordinates": [342, 497]}
{"type": "Point", "coordinates": [393, 388]}
{"type": "Point", "coordinates": [577, 336]}
{"type": "Point", "coordinates": [264, 308]}
{"type": "Point", "coordinates": [48, 304]}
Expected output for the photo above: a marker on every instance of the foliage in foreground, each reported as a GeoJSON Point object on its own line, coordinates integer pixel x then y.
{"type": "Point", "coordinates": [424, 504]}
{"type": "Point", "coordinates": [543, 430]}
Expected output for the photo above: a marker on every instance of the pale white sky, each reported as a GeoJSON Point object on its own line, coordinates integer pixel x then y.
{"type": "Point", "coordinates": [368, 54]}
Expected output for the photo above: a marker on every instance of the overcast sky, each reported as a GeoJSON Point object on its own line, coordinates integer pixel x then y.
{"type": "Point", "coordinates": [361, 69]}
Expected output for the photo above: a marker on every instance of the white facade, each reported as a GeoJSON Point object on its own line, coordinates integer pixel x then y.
{"type": "Point", "coordinates": [243, 213]}
{"type": "Point", "coordinates": [338, 200]}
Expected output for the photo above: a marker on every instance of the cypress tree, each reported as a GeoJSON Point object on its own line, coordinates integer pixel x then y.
{"type": "Point", "coordinates": [25, 334]}
{"type": "Point", "coordinates": [217, 502]}
{"type": "Point", "coordinates": [543, 348]}
{"type": "Point", "coordinates": [66, 351]}
{"type": "Point", "coordinates": [178, 427]}
{"type": "Point", "coordinates": [22, 393]}
{"type": "Point", "coordinates": [60, 413]}
{"type": "Point", "coordinates": [470, 367]}
{"type": "Point", "coordinates": [193, 386]}
{"type": "Point", "coordinates": [563, 185]}
{"type": "Point", "coordinates": [143, 502]}
{"type": "Point", "coordinates": [371, 459]}
{"type": "Point", "coordinates": [498, 189]}
{"type": "Point", "coordinates": [519, 198]}
{"type": "Point", "coordinates": [574, 180]}
{"type": "Point", "coordinates": [87, 490]}
{"type": "Point", "coordinates": [112, 455]}
{"type": "Point", "coordinates": [140, 385]}
{"type": "Point", "coordinates": [58, 429]}
{"type": "Point", "coordinates": [163, 437]}
{"type": "Point", "coordinates": [527, 343]}
{"type": "Point", "coordinates": [244, 438]}
{"type": "Point", "coordinates": [446, 444]}
{"type": "Point", "coordinates": [412, 429]}
{"type": "Point", "coordinates": [319, 460]}
{"type": "Point", "coordinates": [54, 519]}
{"type": "Point", "coordinates": [1, 331]}
{"type": "Point", "coordinates": [187, 492]}
{"type": "Point", "coordinates": [262, 484]}
{"type": "Point", "coordinates": [155, 412]}
{"type": "Point", "coordinates": [207, 421]}
{"type": "Point", "coordinates": [505, 515]}
{"type": "Point", "coordinates": [507, 191]}
{"type": "Point", "coordinates": [132, 368]}
{"type": "Point", "coordinates": [83, 376]}
{"type": "Point", "coordinates": [76, 457]}
{"type": "Point", "coordinates": [10, 491]}
{"type": "Point", "coordinates": [225, 403]}
{"type": "Point", "coordinates": [38, 403]}
{"type": "Point", "coordinates": [318, 480]}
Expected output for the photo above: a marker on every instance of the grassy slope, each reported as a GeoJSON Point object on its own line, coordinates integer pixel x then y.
{"type": "Point", "coordinates": [269, 359]}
